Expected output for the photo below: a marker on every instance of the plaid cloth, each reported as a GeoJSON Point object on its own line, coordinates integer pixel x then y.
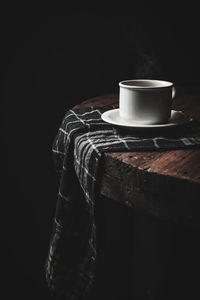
{"type": "Point", "coordinates": [78, 147]}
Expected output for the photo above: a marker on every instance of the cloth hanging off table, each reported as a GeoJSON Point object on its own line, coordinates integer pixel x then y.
{"type": "Point", "coordinates": [77, 150]}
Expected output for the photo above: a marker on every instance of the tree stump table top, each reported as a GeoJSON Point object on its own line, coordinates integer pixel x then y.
{"type": "Point", "coordinates": [165, 184]}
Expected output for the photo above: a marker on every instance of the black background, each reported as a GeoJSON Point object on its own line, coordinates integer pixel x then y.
{"type": "Point", "coordinates": [50, 62]}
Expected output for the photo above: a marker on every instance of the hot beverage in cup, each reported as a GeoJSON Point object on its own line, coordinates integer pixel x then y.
{"type": "Point", "coordinates": [146, 101]}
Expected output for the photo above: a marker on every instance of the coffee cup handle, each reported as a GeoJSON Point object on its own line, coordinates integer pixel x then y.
{"type": "Point", "coordinates": [173, 92]}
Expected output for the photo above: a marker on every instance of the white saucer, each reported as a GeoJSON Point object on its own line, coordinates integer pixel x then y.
{"type": "Point", "coordinates": [113, 117]}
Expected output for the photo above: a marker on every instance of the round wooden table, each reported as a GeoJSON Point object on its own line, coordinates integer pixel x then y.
{"type": "Point", "coordinates": [165, 184]}
{"type": "Point", "coordinates": [148, 218]}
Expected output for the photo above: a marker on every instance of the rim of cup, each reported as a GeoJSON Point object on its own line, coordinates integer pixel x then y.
{"type": "Point", "coordinates": [155, 83]}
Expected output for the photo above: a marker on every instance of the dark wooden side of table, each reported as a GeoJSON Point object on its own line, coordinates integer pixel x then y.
{"type": "Point", "coordinates": [148, 219]}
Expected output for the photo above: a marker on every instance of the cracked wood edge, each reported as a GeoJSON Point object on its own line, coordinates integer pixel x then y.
{"type": "Point", "coordinates": [162, 196]}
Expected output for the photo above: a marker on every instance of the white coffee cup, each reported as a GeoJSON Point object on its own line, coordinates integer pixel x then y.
{"type": "Point", "coordinates": [146, 101]}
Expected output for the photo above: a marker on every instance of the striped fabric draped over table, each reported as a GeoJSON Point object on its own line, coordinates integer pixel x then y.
{"type": "Point", "coordinates": [77, 150]}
